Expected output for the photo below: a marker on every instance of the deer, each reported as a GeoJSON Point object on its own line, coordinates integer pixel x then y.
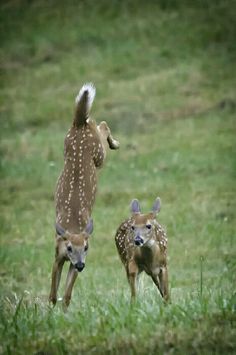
{"type": "Point", "coordinates": [141, 243]}
{"type": "Point", "coordinates": [85, 149]}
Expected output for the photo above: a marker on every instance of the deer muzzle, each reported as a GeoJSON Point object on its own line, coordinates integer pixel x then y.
{"type": "Point", "coordinates": [80, 266]}
{"type": "Point", "coordinates": [138, 241]}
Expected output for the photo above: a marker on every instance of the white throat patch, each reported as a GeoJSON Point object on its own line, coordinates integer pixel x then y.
{"type": "Point", "coordinates": [150, 242]}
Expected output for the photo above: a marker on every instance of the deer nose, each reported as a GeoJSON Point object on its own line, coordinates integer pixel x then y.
{"type": "Point", "coordinates": [80, 266]}
{"type": "Point", "coordinates": [138, 240]}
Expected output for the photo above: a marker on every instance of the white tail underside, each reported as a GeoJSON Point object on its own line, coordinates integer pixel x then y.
{"type": "Point", "coordinates": [91, 94]}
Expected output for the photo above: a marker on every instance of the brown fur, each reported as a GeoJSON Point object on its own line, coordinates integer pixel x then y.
{"type": "Point", "coordinates": [151, 257]}
{"type": "Point", "coordinates": [85, 149]}
{"type": "Point", "coordinates": [77, 184]}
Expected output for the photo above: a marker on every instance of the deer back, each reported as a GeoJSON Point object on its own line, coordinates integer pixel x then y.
{"type": "Point", "coordinates": [77, 184]}
{"type": "Point", "coordinates": [83, 153]}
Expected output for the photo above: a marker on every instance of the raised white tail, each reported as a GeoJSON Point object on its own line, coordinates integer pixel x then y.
{"type": "Point", "coordinates": [84, 101]}
{"type": "Point", "coordinates": [84, 151]}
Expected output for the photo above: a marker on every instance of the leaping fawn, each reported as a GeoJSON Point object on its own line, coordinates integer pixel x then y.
{"type": "Point", "coordinates": [85, 149]}
{"type": "Point", "coordinates": [142, 245]}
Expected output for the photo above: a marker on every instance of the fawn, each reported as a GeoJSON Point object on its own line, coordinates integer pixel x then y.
{"type": "Point", "coordinates": [142, 246]}
{"type": "Point", "coordinates": [85, 149]}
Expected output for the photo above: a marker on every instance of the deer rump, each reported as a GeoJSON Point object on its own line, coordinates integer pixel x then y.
{"type": "Point", "coordinates": [85, 150]}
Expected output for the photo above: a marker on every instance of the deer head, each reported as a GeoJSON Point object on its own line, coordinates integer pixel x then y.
{"type": "Point", "coordinates": [74, 247]}
{"type": "Point", "coordinates": [143, 225]}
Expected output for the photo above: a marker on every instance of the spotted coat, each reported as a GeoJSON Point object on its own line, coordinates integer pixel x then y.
{"type": "Point", "coordinates": [126, 248]}
{"type": "Point", "coordinates": [85, 148]}
{"type": "Point", "coordinates": [84, 151]}
{"type": "Point", "coordinates": [77, 184]}
{"type": "Point", "coordinates": [142, 246]}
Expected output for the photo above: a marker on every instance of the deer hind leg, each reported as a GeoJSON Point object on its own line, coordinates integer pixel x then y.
{"type": "Point", "coordinates": [70, 280]}
{"type": "Point", "coordinates": [106, 136]}
{"type": "Point", "coordinates": [56, 277]}
{"type": "Point", "coordinates": [161, 281]}
{"type": "Point", "coordinates": [132, 274]}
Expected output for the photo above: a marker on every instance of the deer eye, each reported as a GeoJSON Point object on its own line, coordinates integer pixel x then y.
{"type": "Point", "coordinates": [133, 228]}
{"type": "Point", "coordinates": [69, 248]}
{"type": "Point", "coordinates": [86, 247]}
{"type": "Point", "coordinates": [148, 226]}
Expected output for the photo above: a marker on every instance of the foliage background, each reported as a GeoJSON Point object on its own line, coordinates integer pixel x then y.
{"type": "Point", "coordinates": [165, 78]}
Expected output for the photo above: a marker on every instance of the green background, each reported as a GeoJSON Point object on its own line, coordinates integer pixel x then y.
{"type": "Point", "coordinates": [165, 78]}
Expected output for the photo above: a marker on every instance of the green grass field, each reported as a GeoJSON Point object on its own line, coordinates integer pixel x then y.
{"type": "Point", "coordinates": [165, 78]}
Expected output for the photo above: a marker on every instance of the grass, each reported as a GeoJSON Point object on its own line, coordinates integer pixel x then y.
{"type": "Point", "coordinates": [165, 82]}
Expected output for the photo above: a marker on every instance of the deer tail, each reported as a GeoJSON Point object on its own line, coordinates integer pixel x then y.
{"type": "Point", "coordinates": [84, 101]}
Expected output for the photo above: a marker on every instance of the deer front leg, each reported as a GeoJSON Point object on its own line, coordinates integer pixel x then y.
{"type": "Point", "coordinates": [163, 277]}
{"type": "Point", "coordinates": [70, 280]}
{"type": "Point", "coordinates": [132, 273]}
{"type": "Point", "coordinates": [106, 136]}
{"type": "Point", "coordinates": [160, 279]}
{"type": "Point", "coordinates": [56, 276]}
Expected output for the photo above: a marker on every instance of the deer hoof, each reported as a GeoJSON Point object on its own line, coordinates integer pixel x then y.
{"type": "Point", "coordinates": [65, 305]}
{"type": "Point", "coordinates": [113, 143]}
{"type": "Point", "coordinates": [53, 300]}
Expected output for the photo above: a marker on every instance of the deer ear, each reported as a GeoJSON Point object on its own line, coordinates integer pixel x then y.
{"type": "Point", "coordinates": [89, 227]}
{"type": "Point", "coordinates": [135, 206]}
{"type": "Point", "coordinates": [157, 206]}
{"type": "Point", "coordinates": [60, 231]}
